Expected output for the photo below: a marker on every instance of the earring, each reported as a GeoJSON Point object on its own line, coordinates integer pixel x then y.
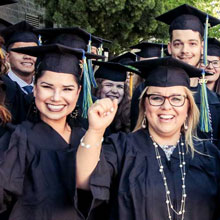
{"type": "Point", "coordinates": [74, 113]}
{"type": "Point", "coordinates": [185, 125]}
{"type": "Point", "coordinates": [144, 122]}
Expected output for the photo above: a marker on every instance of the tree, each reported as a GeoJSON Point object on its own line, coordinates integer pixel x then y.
{"type": "Point", "coordinates": [125, 22]}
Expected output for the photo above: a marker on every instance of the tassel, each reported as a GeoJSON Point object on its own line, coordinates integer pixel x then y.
{"type": "Point", "coordinates": [205, 47]}
{"type": "Point", "coordinates": [87, 96]}
{"type": "Point", "coordinates": [131, 84]}
{"type": "Point", "coordinates": [205, 124]}
{"type": "Point", "coordinates": [39, 40]}
{"type": "Point", "coordinates": [90, 68]}
{"type": "Point", "coordinates": [162, 51]}
{"type": "Point", "coordinates": [100, 50]}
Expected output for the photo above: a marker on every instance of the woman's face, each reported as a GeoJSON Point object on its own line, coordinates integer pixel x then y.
{"type": "Point", "coordinates": [113, 90]}
{"type": "Point", "coordinates": [166, 120]}
{"type": "Point", "coordinates": [56, 95]}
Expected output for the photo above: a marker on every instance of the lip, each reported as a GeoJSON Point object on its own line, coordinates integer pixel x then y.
{"type": "Point", "coordinates": [27, 64]}
{"type": "Point", "coordinates": [166, 117]}
{"type": "Point", "coordinates": [112, 96]}
{"type": "Point", "coordinates": [55, 108]}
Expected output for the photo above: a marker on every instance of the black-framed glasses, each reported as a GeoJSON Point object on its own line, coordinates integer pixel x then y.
{"type": "Point", "coordinates": [215, 63]}
{"type": "Point", "coordinates": [174, 100]}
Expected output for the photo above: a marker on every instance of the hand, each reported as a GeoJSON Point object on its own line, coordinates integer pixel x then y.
{"type": "Point", "coordinates": [101, 114]}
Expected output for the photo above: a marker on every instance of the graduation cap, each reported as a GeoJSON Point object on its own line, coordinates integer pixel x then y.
{"type": "Point", "coordinates": [4, 24]}
{"type": "Point", "coordinates": [213, 47]}
{"type": "Point", "coordinates": [20, 32]}
{"type": "Point", "coordinates": [148, 50]}
{"type": "Point", "coordinates": [112, 71]}
{"type": "Point", "coordinates": [62, 59]}
{"type": "Point", "coordinates": [124, 58]}
{"type": "Point", "coordinates": [166, 72]}
{"type": "Point", "coordinates": [186, 17]}
{"type": "Point", "coordinates": [56, 57]}
{"type": "Point", "coordinates": [7, 2]}
{"type": "Point", "coordinates": [74, 37]}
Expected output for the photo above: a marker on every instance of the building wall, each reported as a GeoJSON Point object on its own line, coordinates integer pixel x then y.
{"type": "Point", "coordinates": [23, 10]}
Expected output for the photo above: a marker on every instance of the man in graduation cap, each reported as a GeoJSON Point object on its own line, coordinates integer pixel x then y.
{"type": "Point", "coordinates": [187, 37]}
{"type": "Point", "coordinates": [22, 66]}
{"type": "Point", "coordinates": [19, 80]}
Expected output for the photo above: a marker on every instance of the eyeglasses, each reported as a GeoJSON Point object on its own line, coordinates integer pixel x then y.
{"type": "Point", "coordinates": [174, 100]}
{"type": "Point", "coordinates": [215, 63]}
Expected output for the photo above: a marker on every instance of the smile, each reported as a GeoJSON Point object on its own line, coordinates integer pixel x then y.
{"type": "Point", "coordinates": [55, 108]}
{"type": "Point", "coordinates": [166, 117]}
{"type": "Point", "coordinates": [27, 64]}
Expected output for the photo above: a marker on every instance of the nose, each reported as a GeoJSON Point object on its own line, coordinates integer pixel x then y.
{"type": "Point", "coordinates": [185, 49]}
{"type": "Point", "coordinates": [166, 105]}
{"type": "Point", "coordinates": [114, 89]}
{"type": "Point", "coordinates": [55, 96]}
{"type": "Point", "coordinates": [209, 66]}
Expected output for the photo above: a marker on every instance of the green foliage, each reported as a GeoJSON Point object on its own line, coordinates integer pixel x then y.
{"type": "Point", "coordinates": [125, 22]}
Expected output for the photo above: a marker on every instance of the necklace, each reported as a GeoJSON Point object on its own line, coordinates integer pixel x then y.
{"type": "Point", "coordinates": [168, 201]}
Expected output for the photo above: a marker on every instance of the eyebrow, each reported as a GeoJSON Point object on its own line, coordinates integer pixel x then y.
{"type": "Point", "coordinates": [158, 93]}
{"type": "Point", "coordinates": [188, 40]}
{"type": "Point", "coordinates": [65, 86]}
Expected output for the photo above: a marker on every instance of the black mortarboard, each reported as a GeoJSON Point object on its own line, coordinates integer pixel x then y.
{"type": "Point", "coordinates": [124, 58]}
{"type": "Point", "coordinates": [56, 57]}
{"type": "Point", "coordinates": [166, 72]}
{"type": "Point", "coordinates": [4, 24]}
{"type": "Point", "coordinates": [74, 37]}
{"type": "Point", "coordinates": [148, 50]}
{"type": "Point", "coordinates": [112, 71]}
{"type": "Point", "coordinates": [7, 2]}
{"type": "Point", "coordinates": [186, 17]}
{"type": "Point", "coordinates": [20, 32]}
{"type": "Point", "coordinates": [213, 47]}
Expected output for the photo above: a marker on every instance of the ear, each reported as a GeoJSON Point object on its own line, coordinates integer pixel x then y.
{"type": "Point", "coordinates": [169, 48]}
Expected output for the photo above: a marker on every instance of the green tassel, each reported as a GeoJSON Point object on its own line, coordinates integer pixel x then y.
{"type": "Point", "coordinates": [87, 96]}
{"type": "Point", "coordinates": [205, 47]}
{"type": "Point", "coordinates": [205, 124]}
{"type": "Point", "coordinates": [90, 68]}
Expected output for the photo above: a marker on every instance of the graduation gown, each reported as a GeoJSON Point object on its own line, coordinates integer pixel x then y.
{"type": "Point", "coordinates": [128, 176]}
{"type": "Point", "coordinates": [38, 167]}
{"type": "Point", "coordinates": [214, 107]}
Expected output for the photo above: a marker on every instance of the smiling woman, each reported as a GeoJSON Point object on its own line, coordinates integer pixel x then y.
{"type": "Point", "coordinates": [39, 163]}
{"type": "Point", "coordinates": [111, 83]}
{"type": "Point", "coordinates": [161, 170]}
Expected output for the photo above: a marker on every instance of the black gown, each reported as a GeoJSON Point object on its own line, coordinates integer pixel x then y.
{"type": "Point", "coordinates": [214, 107]}
{"type": "Point", "coordinates": [128, 176]}
{"type": "Point", "coordinates": [17, 102]}
{"type": "Point", "coordinates": [38, 167]}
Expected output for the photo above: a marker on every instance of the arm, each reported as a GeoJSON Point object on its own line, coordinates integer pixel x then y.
{"type": "Point", "coordinates": [100, 116]}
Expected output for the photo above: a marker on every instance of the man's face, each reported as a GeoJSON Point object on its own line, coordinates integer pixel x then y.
{"type": "Point", "coordinates": [187, 46]}
{"type": "Point", "coordinates": [21, 64]}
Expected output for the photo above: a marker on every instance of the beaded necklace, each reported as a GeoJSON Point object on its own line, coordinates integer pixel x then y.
{"type": "Point", "coordinates": [168, 201]}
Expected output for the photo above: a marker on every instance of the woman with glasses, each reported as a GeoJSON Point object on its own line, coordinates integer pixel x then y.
{"type": "Point", "coordinates": [161, 170]}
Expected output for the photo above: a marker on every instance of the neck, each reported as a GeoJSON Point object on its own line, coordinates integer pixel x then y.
{"type": "Point", "coordinates": [26, 78]}
{"type": "Point", "coordinates": [162, 139]}
{"type": "Point", "coordinates": [211, 85]}
{"type": "Point", "coordinates": [58, 125]}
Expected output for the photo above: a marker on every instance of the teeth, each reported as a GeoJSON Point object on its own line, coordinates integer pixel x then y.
{"type": "Point", "coordinates": [55, 107]}
{"type": "Point", "coordinates": [166, 116]}
{"type": "Point", "coordinates": [27, 64]}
